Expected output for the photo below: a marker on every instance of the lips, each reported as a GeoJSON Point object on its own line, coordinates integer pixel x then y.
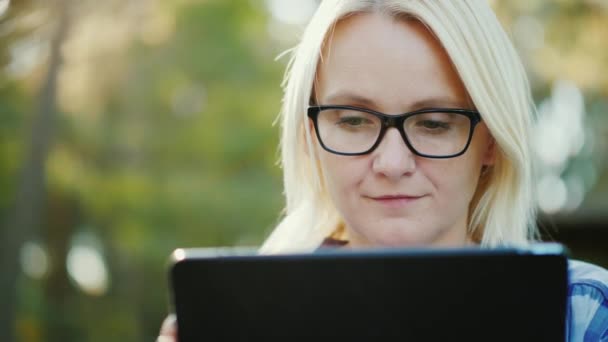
{"type": "Point", "coordinates": [394, 197]}
{"type": "Point", "coordinates": [396, 201]}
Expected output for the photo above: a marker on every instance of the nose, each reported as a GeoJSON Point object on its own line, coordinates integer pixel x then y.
{"type": "Point", "coordinates": [392, 158]}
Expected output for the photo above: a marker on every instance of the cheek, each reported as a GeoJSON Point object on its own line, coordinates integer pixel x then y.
{"type": "Point", "coordinates": [342, 174]}
{"type": "Point", "coordinates": [460, 176]}
{"type": "Point", "coordinates": [454, 180]}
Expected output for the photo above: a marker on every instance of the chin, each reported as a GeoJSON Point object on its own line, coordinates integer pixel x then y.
{"type": "Point", "coordinates": [399, 238]}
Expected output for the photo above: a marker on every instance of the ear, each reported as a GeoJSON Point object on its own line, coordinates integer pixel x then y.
{"type": "Point", "coordinates": [489, 157]}
{"type": "Point", "coordinates": [311, 126]}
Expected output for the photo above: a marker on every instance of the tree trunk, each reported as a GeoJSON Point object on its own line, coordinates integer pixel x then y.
{"type": "Point", "coordinates": [24, 222]}
{"type": "Point", "coordinates": [62, 218]}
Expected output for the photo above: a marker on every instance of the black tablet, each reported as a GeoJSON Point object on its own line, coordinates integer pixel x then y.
{"type": "Point", "coordinates": [506, 294]}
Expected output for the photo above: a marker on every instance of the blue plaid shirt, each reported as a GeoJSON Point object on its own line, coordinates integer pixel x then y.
{"type": "Point", "coordinates": [587, 318]}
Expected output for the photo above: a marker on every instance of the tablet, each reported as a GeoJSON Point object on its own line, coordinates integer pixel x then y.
{"type": "Point", "coordinates": [505, 294]}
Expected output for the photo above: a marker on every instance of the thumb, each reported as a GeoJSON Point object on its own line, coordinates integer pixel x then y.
{"type": "Point", "coordinates": [168, 330]}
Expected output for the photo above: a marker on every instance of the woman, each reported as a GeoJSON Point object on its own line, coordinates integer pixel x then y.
{"type": "Point", "coordinates": [407, 123]}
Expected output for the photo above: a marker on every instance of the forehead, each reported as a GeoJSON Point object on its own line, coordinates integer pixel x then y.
{"type": "Point", "coordinates": [392, 62]}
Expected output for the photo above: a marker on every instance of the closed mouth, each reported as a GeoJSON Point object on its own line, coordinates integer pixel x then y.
{"type": "Point", "coordinates": [395, 197]}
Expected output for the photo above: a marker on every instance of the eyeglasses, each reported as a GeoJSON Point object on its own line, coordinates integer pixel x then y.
{"type": "Point", "coordinates": [430, 133]}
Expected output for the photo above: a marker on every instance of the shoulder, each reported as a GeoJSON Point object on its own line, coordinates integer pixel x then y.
{"type": "Point", "coordinates": [587, 302]}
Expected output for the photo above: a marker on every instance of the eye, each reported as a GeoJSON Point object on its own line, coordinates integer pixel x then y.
{"type": "Point", "coordinates": [433, 124]}
{"type": "Point", "coordinates": [353, 121]}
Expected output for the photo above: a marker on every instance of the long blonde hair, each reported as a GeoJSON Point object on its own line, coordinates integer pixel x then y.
{"type": "Point", "coordinates": [502, 210]}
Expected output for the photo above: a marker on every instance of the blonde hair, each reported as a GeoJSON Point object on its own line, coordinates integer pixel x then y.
{"type": "Point", "coordinates": [502, 211]}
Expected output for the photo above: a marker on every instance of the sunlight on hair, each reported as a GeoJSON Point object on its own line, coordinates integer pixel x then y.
{"type": "Point", "coordinates": [34, 260]}
{"type": "Point", "coordinates": [86, 265]}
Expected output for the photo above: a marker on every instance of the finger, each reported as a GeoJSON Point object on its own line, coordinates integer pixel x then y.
{"type": "Point", "coordinates": [165, 339]}
{"type": "Point", "coordinates": [168, 329]}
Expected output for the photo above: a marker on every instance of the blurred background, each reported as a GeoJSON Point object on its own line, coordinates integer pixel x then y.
{"type": "Point", "coordinates": [131, 128]}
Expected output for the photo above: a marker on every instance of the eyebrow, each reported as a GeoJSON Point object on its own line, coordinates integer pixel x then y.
{"type": "Point", "coordinates": [438, 101]}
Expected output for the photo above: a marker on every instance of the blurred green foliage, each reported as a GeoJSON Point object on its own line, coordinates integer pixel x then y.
{"type": "Point", "coordinates": [163, 138]}
{"type": "Point", "coordinates": [180, 151]}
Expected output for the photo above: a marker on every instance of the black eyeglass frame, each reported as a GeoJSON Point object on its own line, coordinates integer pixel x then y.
{"type": "Point", "coordinates": [396, 121]}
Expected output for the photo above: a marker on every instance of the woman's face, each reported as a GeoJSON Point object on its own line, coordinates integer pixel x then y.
{"type": "Point", "coordinates": [391, 197]}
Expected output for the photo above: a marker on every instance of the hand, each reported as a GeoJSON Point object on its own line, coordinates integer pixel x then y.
{"type": "Point", "coordinates": [168, 331]}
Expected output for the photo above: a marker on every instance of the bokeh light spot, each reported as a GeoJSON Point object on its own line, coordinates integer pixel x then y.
{"type": "Point", "coordinates": [88, 270]}
{"type": "Point", "coordinates": [34, 260]}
